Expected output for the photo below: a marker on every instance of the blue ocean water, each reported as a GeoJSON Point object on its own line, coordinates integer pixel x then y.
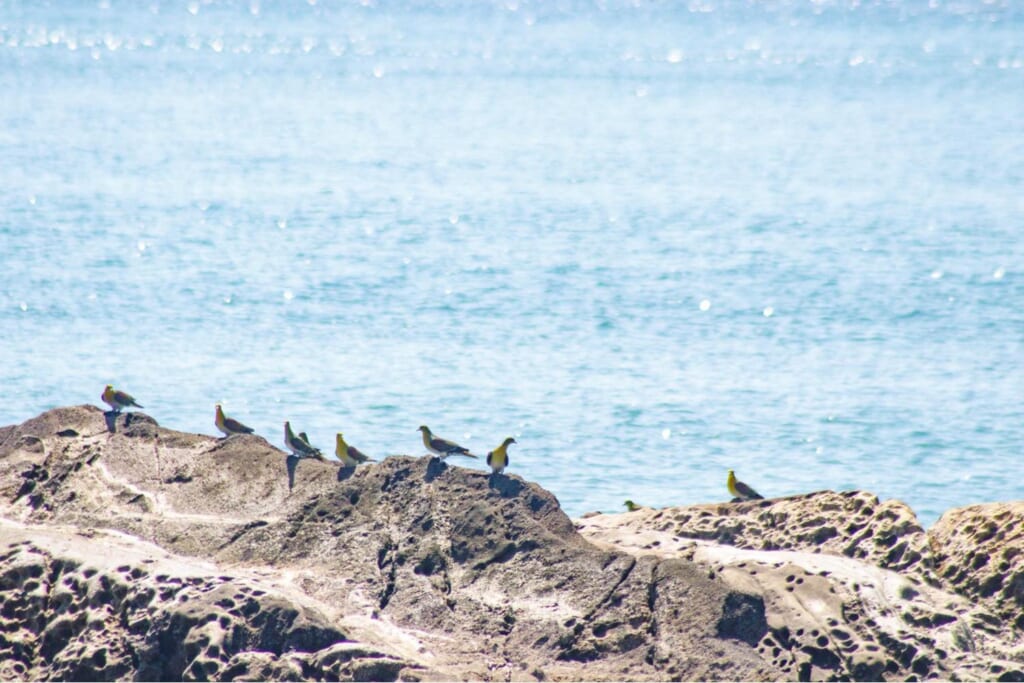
{"type": "Point", "coordinates": [653, 241]}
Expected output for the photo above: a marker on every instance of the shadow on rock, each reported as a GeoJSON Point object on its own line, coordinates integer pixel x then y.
{"type": "Point", "coordinates": [345, 473]}
{"type": "Point", "coordinates": [505, 485]}
{"type": "Point", "coordinates": [139, 426]}
{"type": "Point", "coordinates": [743, 618]}
{"type": "Point", "coordinates": [110, 417]}
{"type": "Point", "coordinates": [435, 468]}
{"type": "Point", "coordinates": [291, 462]}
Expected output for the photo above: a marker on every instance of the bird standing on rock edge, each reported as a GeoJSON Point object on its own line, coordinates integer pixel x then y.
{"type": "Point", "coordinates": [350, 456]}
{"type": "Point", "coordinates": [498, 458]}
{"type": "Point", "coordinates": [740, 490]}
{"type": "Point", "coordinates": [300, 447]}
{"type": "Point", "coordinates": [118, 399]}
{"type": "Point", "coordinates": [229, 425]}
{"type": "Point", "coordinates": [442, 447]}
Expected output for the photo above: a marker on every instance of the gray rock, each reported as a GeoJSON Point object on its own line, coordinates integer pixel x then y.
{"type": "Point", "coordinates": [410, 568]}
{"type": "Point", "coordinates": [132, 551]}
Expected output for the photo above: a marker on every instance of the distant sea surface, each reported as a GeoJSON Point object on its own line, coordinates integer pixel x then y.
{"type": "Point", "coordinates": [652, 241]}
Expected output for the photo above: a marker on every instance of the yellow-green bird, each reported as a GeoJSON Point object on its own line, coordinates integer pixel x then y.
{"type": "Point", "coordinates": [229, 425]}
{"type": "Point", "coordinates": [631, 506]}
{"type": "Point", "coordinates": [118, 399]}
{"type": "Point", "coordinates": [740, 490]}
{"type": "Point", "coordinates": [442, 447]}
{"type": "Point", "coordinates": [498, 458]}
{"type": "Point", "coordinates": [350, 456]}
{"type": "Point", "coordinates": [300, 447]}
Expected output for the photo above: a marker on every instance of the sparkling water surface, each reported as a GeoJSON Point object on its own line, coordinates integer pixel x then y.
{"type": "Point", "coordinates": [651, 241]}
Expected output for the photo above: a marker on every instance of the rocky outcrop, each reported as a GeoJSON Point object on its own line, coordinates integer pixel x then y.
{"type": "Point", "coordinates": [853, 524]}
{"type": "Point", "coordinates": [979, 552]}
{"type": "Point", "coordinates": [852, 588]}
{"type": "Point", "coordinates": [94, 605]}
{"type": "Point", "coordinates": [131, 551]}
{"type": "Point", "coordinates": [409, 568]}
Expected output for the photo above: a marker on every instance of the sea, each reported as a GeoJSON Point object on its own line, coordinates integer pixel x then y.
{"type": "Point", "coordinates": [652, 241]}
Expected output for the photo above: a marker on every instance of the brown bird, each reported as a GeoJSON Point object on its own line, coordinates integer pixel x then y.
{"type": "Point", "coordinates": [350, 456]}
{"type": "Point", "coordinates": [741, 490]}
{"type": "Point", "coordinates": [118, 399]}
{"type": "Point", "coordinates": [229, 425]}
{"type": "Point", "coordinates": [442, 447]}
{"type": "Point", "coordinates": [299, 446]}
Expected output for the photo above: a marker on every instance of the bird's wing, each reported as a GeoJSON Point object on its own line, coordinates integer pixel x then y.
{"type": "Point", "coordinates": [747, 492]}
{"type": "Point", "coordinates": [296, 443]}
{"type": "Point", "coordinates": [446, 446]}
{"type": "Point", "coordinates": [236, 426]}
{"type": "Point", "coordinates": [358, 455]}
{"type": "Point", "coordinates": [490, 454]}
{"type": "Point", "coordinates": [125, 398]}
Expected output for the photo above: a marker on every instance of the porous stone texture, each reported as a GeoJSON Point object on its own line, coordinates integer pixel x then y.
{"type": "Point", "coordinates": [128, 550]}
{"type": "Point", "coordinates": [979, 552]}
{"type": "Point", "coordinates": [839, 603]}
{"type": "Point", "coordinates": [409, 568]}
{"type": "Point", "coordinates": [852, 524]}
{"type": "Point", "coordinates": [72, 613]}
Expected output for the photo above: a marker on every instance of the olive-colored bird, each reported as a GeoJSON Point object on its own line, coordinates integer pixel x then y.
{"type": "Point", "coordinates": [741, 490]}
{"type": "Point", "coordinates": [631, 506]}
{"type": "Point", "coordinates": [442, 447]}
{"type": "Point", "coordinates": [498, 458]}
{"type": "Point", "coordinates": [350, 456]}
{"type": "Point", "coordinates": [300, 447]}
{"type": "Point", "coordinates": [118, 399]}
{"type": "Point", "coordinates": [229, 425]}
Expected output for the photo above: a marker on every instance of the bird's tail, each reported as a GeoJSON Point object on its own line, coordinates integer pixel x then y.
{"type": "Point", "coordinates": [468, 455]}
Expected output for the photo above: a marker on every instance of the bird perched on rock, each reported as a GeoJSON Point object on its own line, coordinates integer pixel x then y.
{"type": "Point", "coordinates": [118, 399]}
{"type": "Point", "coordinates": [498, 458]}
{"type": "Point", "coordinates": [442, 447]}
{"type": "Point", "coordinates": [229, 425]}
{"type": "Point", "coordinates": [741, 490]}
{"type": "Point", "coordinates": [350, 456]}
{"type": "Point", "coordinates": [631, 506]}
{"type": "Point", "coordinates": [299, 446]}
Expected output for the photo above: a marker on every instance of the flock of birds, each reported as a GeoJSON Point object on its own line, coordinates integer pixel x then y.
{"type": "Point", "coordinates": [350, 456]}
{"type": "Point", "coordinates": [299, 445]}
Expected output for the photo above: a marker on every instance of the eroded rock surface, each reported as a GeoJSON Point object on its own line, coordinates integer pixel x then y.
{"type": "Point", "coordinates": [409, 568]}
{"type": "Point", "coordinates": [979, 552]}
{"type": "Point", "coordinates": [848, 584]}
{"type": "Point", "coordinates": [132, 551]}
{"type": "Point", "coordinates": [132, 611]}
{"type": "Point", "coordinates": [853, 524]}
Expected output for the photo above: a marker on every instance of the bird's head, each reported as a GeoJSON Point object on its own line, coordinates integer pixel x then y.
{"type": "Point", "coordinates": [425, 429]}
{"type": "Point", "coordinates": [219, 409]}
{"type": "Point", "coordinates": [508, 441]}
{"type": "Point", "coordinates": [630, 505]}
{"type": "Point", "coordinates": [109, 389]}
{"type": "Point", "coordinates": [339, 440]}
{"type": "Point", "coordinates": [732, 475]}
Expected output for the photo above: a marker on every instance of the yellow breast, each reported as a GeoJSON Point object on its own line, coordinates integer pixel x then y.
{"type": "Point", "coordinates": [731, 483]}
